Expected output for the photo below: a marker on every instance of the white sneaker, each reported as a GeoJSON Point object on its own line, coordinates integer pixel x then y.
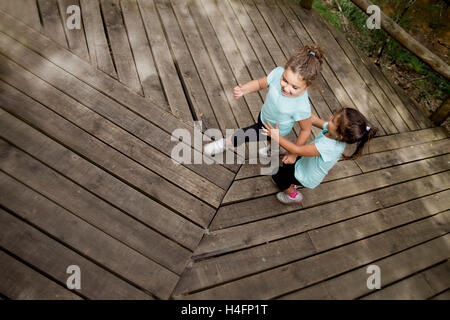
{"type": "Point", "coordinates": [286, 199]}
{"type": "Point", "coordinates": [215, 147]}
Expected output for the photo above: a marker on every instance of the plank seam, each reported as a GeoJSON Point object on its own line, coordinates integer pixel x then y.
{"type": "Point", "coordinates": [76, 251]}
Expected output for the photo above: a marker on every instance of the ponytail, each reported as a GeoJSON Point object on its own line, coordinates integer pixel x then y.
{"type": "Point", "coordinates": [354, 128]}
{"type": "Point", "coordinates": [364, 140]}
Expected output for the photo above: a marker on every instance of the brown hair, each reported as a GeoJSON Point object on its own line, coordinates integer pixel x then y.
{"type": "Point", "coordinates": [306, 62]}
{"type": "Point", "coordinates": [354, 128]}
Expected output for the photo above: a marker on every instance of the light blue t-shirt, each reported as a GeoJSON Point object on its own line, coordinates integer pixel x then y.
{"type": "Point", "coordinates": [310, 171]}
{"type": "Point", "coordinates": [283, 110]}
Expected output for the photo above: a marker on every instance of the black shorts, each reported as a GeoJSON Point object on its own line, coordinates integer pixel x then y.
{"type": "Point", "coordinates": [285, 176]}
{"type": "Point", "coordinates": [248, 134]}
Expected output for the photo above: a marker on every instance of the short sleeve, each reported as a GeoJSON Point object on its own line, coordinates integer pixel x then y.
{"type": "Point", "coordinates": [327, 149]}
{"type": "Point", "coordinates": [275, 75]}
{"type": "Point", "coordinates": [303, 111]}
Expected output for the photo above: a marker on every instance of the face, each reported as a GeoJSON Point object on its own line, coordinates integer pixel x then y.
{"type": "Point", "coordinates": [292, 85]}
{"type": "Point", "coordinates": [333, 123]}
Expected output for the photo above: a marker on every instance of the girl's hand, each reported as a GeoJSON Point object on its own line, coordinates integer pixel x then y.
{"type": "Point", "coordinates": [238, 91]}
{"type": "Point", "coordinates": [289, 158]}
{"type": "Point", "coordinates": [270, 131]}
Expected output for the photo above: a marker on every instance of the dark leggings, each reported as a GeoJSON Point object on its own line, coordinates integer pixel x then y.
{"type": "Point", "coordinates": [250, 133]}
{"type": "Point", "coordinates": [285, 176]}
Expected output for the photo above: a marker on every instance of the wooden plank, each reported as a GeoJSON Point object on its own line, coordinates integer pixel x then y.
{"type": "Point", "coordinates": [380, 221]}
{"type": "Point", "coordinates": [20, 282]}
{"type": "Point", "coordinates": [164, 260]}
{"type": "Point", "coordinates": [143, 57]}
{"type": "Point", "coordinates": [260, 186]}
{"type": "Point", "coordinates": [198, 76]}
{"type": "Point", "coordinates": [247, 235]}
{"type": "Point", "coordinates": [115, 162]}
{"type": "Point", "coordinates": [209, 10]}
{"type": "Point", "coordinates": [405, 139]}
{"type": "Point", "coordinates": [353, 284]}
{"type": "Point", "coordinates": [249, 8]}
{"type": "Point", "coordinates": [266, 58]}
{"type": "Point", "coordinates": [96, 37]}
{"type": "Point", "coordinates": [75, 37]}
{"type": "Point", "coordinates": [443, 296]}
{"type": "Point", "coordinates": [211, 61]}
{"type": "Point", "coordinates": [109, 188]}
{"type": "Point", "coordinates": [417, 110]}
{"type": "Point", "coordinates": [276, 253]}
{"type": "Point", "coordinates": [344, 70]}
{"type": "Point", "coordinates": [120, 46]}
{"type": "Point", "coordinates": [25, 10]}
{"type": "Point", "coordinates": [118, 117]}
{"type": "Point", "coordinates": [418, 287]}
{"type": "Point", "coordinates": [115, 90]}
{"type": "Point", "coordinates": [265, 207]}
{"type": "Point", "coordinates": [393, 106]}
{"type": "Point", "coordinates": [403, 155]}
{"type": "Point", "coordinates": [164, 62]}
{"type": "Point", "coordinates": [53, 258]}
{"type": "Point", "coordinates": [281, 280]}
{"type": "Point", "coordinates": [293, 36]}
{"type": "Point", "coordinates": [52, 22]}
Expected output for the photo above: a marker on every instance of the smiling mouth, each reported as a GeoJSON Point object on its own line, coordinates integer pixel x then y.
{"type": "Point", "coordinates": [284, 92]}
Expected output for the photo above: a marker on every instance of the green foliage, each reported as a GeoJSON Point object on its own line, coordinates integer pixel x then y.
{"type": "Point", "coordinates": [372, 40]}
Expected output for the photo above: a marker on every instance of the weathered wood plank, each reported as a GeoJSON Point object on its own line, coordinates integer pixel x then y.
{"type": "Point", "coordinates": [120, 120]}
{"type": "Point", "coordinates": [266, 58]}
{"type": "Point", "coordinates": [110, 87]}
{"type": "Point", "coordinates": [165, 64]}
{"type": "Point", "coordinates": [100, 182]}
{"type": "Point", "coordinates": [196, 73]}
{"type": "Point", "coordinates": [20, 282]}
{"type": "Point", "coordinates": [272, 254]}
{"type": "Point", "coordinates": [96, 37]}
{"type": "Point", "coordinates": [167, 257]}
{"type": "Point", "coordinates": [443, 296]}
{"type": "Point", "coordinates": [260, 186]}
{"type": "Point", "coordinates": [209, 10]}
{"type": "Point", "coordinates": [418, 287]}
{"type": "Point", "coordinates": [299, 221]}
{"type": "Point", "coordinates": [403, 155]}
{"type": "Point", "coordinates": [265, 207]}
{"type": "Point", "coordinates": [391, 103]}
{"type": "Point", "coordinates": [143, 57]}
{"type": "Point", "coordinates": [292, 36]}
{"type": "Point", "coordinates": [115, 162]}
{"type": "Point", "coordinates": [276, 282]}
{"type": "Point", "coordinates": [120, 46]}
{"type": "Point", "coordinates": [209, 63]}
{"type": "Point", "coordinates": [353, 284]}
{"type": "Point", "coordinates": [405, 139]}
{"type": "Point", "coordinates": [75, 37]}
{"type": "Point", "coordinates": [340, 64]}
{"type": "Point", "coordinates": [53, 258]}
{"type": "Point", "coordinates": [380, 221]}
{"type": "Point", "coordinates": [52, 22]}
{"type": "Point", "coordinates": [25, 10]}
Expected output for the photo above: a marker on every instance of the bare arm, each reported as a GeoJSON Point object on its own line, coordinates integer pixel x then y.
{"type": "Point", "coordinates": [305, 125]}
{"type": "Point", "coordinates": [308, 150]}
{"type": "Point", "coordinates": [317, 122]}
{"type": "Point", "coordinates": [249, 87]}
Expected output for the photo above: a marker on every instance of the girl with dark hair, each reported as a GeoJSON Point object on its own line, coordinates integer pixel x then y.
{"type": "Point", "coordinates": [316, 159]}
{"type": "Point", "coordinates": [286, 102]}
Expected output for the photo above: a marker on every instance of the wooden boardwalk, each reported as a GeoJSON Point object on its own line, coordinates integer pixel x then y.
{"type": "Point", "coordinates": [87, 179]}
